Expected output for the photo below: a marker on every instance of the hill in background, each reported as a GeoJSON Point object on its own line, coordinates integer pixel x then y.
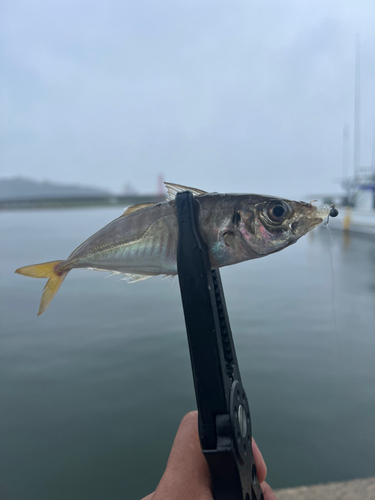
{"type": "Point", "coordinates": [21, 188]}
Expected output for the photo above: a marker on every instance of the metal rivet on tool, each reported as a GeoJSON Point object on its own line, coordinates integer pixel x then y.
{"type": "Point", "coordinates": [241, 415]}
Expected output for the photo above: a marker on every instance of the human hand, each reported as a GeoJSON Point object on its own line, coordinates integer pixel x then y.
{"type": "Point", "coordinates": [187, 476]}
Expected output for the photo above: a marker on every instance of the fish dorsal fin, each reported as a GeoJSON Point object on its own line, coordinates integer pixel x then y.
{"type": "Point", "coordinates": [173, 189]}
{"type": "Point", "coordinates": [134, 208]}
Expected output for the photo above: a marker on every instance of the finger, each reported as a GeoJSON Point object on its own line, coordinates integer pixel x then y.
{"type": "Point", "coordinates": [187, 472]}
{"type": "Point", "coordinates": [149, 497]}
{"type": "Point", "coordinates": [267, 491]}
{"type": "Point", "coordinates": [260, 464]}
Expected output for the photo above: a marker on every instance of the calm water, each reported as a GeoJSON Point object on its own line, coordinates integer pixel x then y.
{"type": "Point", "coordinates": [92, 392]}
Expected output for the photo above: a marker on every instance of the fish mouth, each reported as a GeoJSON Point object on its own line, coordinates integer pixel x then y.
{"type": "Point", "coordinates": [314, 222]}
{"type": "Point", "coordinates": [303, 226]}
{"type": "Point", "coordinates": [317, 216]}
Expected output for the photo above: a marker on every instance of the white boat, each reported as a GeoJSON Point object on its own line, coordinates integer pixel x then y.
{"type": "Point", "coordinates": [354, 221]}
{"type": "Point", "coordinates": [356, 207]}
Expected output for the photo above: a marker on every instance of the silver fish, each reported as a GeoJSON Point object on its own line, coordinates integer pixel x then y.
{"type": "Point", "coordinates": [143, 241]}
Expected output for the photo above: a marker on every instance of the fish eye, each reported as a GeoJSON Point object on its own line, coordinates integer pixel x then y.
{"type": "Point", "coordinates": [276, 212]}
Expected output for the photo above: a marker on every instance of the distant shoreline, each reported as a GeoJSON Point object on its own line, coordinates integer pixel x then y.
{"type": "Point", "coordinates": [77, 202]}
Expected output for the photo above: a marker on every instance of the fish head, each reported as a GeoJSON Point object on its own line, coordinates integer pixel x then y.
{"type": "Point", "coordinates": [270, 224]}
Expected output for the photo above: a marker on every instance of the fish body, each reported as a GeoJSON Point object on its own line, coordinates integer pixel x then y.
{"type": "Point", "coordinates": [143, 241]}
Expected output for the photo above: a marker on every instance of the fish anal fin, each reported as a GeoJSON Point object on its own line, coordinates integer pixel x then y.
{"type": "Point", "coordinates": [133, 278]}
{"type": "Point", "coordinates": [173, 189]}
{"type": "Point", "coordinates": [135, 208]}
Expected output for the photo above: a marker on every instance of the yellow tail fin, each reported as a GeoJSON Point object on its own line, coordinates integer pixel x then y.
{"type": "Point", "coordinates": [46, 270]}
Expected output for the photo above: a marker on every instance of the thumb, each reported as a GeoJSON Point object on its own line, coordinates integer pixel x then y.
{"type": "Point", "coordinates": [187, 475]}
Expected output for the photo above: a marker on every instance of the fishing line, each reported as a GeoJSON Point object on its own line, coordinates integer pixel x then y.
{"type": "Point", "coordinates": [333, 296]}
{"type": "Point", "coordinates": [339, 353]}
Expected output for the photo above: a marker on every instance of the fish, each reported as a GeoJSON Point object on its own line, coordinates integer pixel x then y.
{"type": "Point", "coordinates": [142, 242]}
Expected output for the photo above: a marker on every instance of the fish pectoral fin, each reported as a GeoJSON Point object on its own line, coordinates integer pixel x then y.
{"type": "Point", "coordinates": [133, 278]}
{"type": "Point", "coordinates": [135, 208]}
{"type": "Point", "coordinates": [173, 189]}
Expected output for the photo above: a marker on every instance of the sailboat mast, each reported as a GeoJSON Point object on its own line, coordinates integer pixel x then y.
{"type": "Point", "coordinates": [373, 151]}
{"type": "Point", "coordinates": [357, 107]}
{"type": "Point", "coordinates": [345, 151]}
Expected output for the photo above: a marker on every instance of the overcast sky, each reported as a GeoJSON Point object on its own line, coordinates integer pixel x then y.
{"type": "Point", "coordinates": [235, 96]}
